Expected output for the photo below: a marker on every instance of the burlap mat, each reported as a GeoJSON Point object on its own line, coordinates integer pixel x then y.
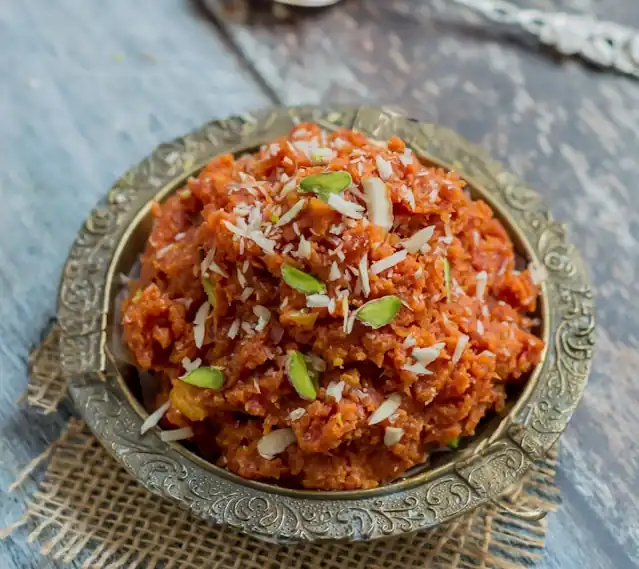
{"type": "Point", "coordinates": [89, 510]}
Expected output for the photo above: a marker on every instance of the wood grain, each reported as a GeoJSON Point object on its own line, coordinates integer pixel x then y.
{"type": "Point", "coordinates": [569, 130]}
{"type": "Point", "coordinates": [87, 90]}
{"type": "Point", "coordinates": [89, 87]}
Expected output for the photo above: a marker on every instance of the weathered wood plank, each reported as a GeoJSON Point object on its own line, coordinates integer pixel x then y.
{"type": "Point", "coordinates": [570, 131]}
{"type": "Point", "coordinates": [87, 90]}
{"type": "Point", "coordinates": [81, 77]}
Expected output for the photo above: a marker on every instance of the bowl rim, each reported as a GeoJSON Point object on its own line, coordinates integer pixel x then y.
{"type": "Point", "coordinates": [482, 472]}
{"type": "Point", "coordinates": [477, 192]}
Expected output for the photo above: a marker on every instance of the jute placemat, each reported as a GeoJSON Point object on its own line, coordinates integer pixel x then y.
{"type": "Point", "coordinates": [89, 510]}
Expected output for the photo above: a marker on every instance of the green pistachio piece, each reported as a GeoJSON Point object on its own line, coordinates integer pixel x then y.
{"type": "Point", "coordinates": [454, 443]}
{"type": "Point", "coordinates": [209, 289]}
{"type": "Point", "coordinates": [326, 183]}
{"type": "Point", "coordinates": [301, 281]}
{"type": "Point", "coordinates": [299, 376]}
{"type": "Point", "coordinates": [447, 277]}
{"type": "Point", "coordinates": [205, 377]}
{"type": "Point", "coordinates": [314, 375]}
{"type": "Point", "coordinates": [379, 312]}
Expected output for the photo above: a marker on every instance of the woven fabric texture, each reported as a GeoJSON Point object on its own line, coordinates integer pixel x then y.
{"type": "Point", "coordinates": [90, 510]}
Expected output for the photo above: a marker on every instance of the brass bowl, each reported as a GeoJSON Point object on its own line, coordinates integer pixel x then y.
{"type": "Point", "coordinates": [484, 469]}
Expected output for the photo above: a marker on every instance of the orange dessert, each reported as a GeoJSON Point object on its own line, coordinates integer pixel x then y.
{"type": "Point", "coordinates": [327, 312]}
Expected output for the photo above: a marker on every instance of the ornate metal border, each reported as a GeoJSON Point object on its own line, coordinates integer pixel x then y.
{"type": "Point", "coordinates": [288, 516]}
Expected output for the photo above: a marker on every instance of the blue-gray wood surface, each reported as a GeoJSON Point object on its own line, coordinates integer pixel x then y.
{"type": "Point", "coordinates": [89, 87]}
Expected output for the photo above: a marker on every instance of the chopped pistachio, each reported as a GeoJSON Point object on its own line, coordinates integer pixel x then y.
{"type": "Point", "coordinates": [301, 281]}
{"type": "Point", "coordinates": [209, 289]}
{"type": "Point", "coordinates": [185, 194]}
{"type": "Point", "coordinates": [454, 443]}
{"type": "Point", "coordinates": [447, 277]}
{"type": "Point", "coordinates": [379, 312]}
{"type": "Point", "coordinates": [138, 294]}
{"type": "Point", "coordinates": [314, 375]}
{"type": "Point", "coordinates": [299, 376]}
{"type": "Point", "coordinates": [326, 183]}
{"type": "Point", "coordinates": [205, 377]}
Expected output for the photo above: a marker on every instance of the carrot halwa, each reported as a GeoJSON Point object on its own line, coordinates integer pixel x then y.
{"type": "Point", "coordinates": [327, 312]}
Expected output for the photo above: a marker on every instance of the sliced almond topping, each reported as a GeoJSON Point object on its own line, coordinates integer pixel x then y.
{"type": "Point", "coordinates": [199, 323]}
{"type": "Point", "coordinates": [246, 293]}
{"type": "Point", "coordinates": [291, 213]}
{"type": "Point", "coordinates": [304, 248]}
{"type": "Point", "coordinates": [417, 368]}
{"type": "Point", "coordinates": [482, 280]}
{"type": "Point", "coordinates": [234, 229]}
{"type": "Point", "coordinates": [409, 196]}
{"type": "Point", "coordinates": [428, 355]}
{"type": "Point", "coordinates": [388, 262]}
{"type": "Point", "coordinates": [386, 409]}
{"type": "Point", "coordinates": [462, 341]}
{"type": "Point", "coordinates": [380, 207]}
{"type": "Point", "coordinates": [189, 365]}
{"type": "Point", "coordinates": [234, 329]}
{"type": "Point", "coordinates": [241, 278]}
{"type": "Point", "coordinates": [334, 273]}
{"type": "Point", "coordinates": [363, 275]}
{"type": "Point", "coordinates": [296, 414]}
{"type": "Point", "coordinates": [345, 207]}
{"type": "Point", "coordinates": [206, 263]}
{"type": "Point", "coordinates": [154, 418]}
{"type": "Point", "coordinates": [418, 240]}
{"type": "Point", "coordinates": [335, 390]}
{"type": "Point", "coordinates": [318, 301]}
{"type": "Point", "coordinates": [322, 155]}
{"type": "Point", "coordinates": [345, 312]}
{"type": "Point", "coordinates": [176, 434]}
{"type": "Point", "coordinates": [159, 254]}
{"type": "Point", "coordinates": [264, 316]}
{"type": "Point", "coordinates": [392, 435]}
{"type": "Point", "coordinates": [384, 167]}
{"type": "Point", "coordinates": [407, 157]}
{"type": "Point", "coordinates": [269, 446]}
{"type": "Point", "coordinates": [409, 341]}
{"type": "Point", "coordinates": [288, 187]}
{"type": "Point", "coordinates": [268, 245]}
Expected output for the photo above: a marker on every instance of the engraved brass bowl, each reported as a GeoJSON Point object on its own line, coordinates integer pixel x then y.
{"type": "Point", "coordinates": [482, 470]}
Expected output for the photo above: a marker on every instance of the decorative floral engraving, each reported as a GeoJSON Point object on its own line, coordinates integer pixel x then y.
{"type": "Point", "coordinates": [281, 515]}
{"type": "Point", "coordinates": [492, 474]}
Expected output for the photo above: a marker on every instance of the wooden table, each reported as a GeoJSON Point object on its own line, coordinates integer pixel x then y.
{"type": "Point", "coordinates": [88, 88]}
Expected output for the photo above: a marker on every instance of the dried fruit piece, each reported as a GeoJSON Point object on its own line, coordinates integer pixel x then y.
{"type": "Point", "coordinates": [301, 281]}
{"type": "Point", "coordinates": [447, 277]}
{"type": "Point", "coordinates": [209, 289]}
{"type": "Point", "coordinates": [379, 312]}
{"type": "Point", "coordinates": [299, 376]}
{"type": "Point", "coordinates": [305, 320]}
{"type": "Point", "coordinates": [326, 183]}
{"type": "Point", "coordinates": [205, 377]}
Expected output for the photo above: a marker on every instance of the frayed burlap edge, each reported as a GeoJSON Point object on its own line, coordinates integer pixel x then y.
{"type": "Point", "coordinates": [47, 386]}
{"type": "Point", "coordinates": [89, 510]}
